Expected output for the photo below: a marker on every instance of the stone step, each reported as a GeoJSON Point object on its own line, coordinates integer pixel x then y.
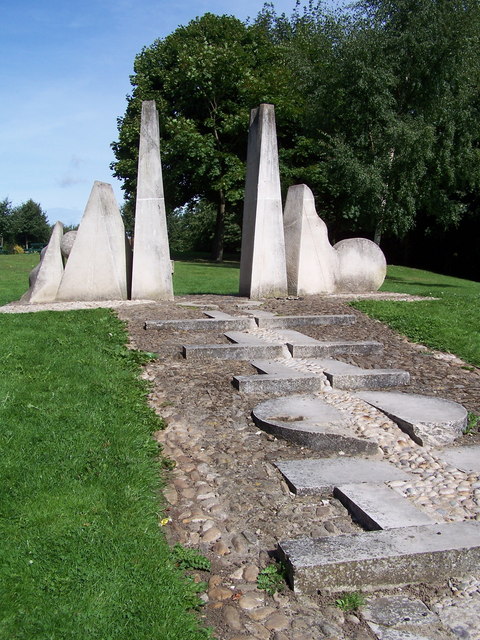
{"type": "Point", "coordinates": [427, 553]}
{"type": "Point", "coordinates": [234, 351]}
{"type": "Point", "coordinates": [347, 376]}
{"type": "Point", "coordinates": [427, 420]}
{"type": "Point", "coordinates": [278, 383]}
{"type": "Point", "coordinates": [203, 324]}
{"type": "Point", "coordinates": [464, 458]}
{"type": "Point", "coordinates": [321, 475]}
{"type": "Point", "coordinates": [400, 617]}
{"type": "Point", "coordinates": [376, 506]}
{"type": "Point", "coordinates": [308, 421]}
{"type": "Point", "coordinates": [325, 348]}
{"type": "Point", "coordinates": [240, 337]}
{"type": "Point", "coordinates": [287, 322]}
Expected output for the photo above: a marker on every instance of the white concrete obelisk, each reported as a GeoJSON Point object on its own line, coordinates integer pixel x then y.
{"type": "Point", "coordinates": [152, 269]}
{"type": "Point", "coordinates": [98, 265]}
{"type": "Point", "coordinates": [263, 271]}
{"type": "Point", "coordinates": [46, 277]}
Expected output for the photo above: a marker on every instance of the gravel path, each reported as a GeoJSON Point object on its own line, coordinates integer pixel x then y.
{"type": "Point", "coordinates": [226, 498]}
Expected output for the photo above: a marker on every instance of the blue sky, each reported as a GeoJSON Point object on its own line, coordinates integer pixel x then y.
{"type": "Point", "coordinates": [64, 77]}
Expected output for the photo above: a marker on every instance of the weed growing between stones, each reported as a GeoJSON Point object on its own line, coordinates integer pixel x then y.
{"type": "Point", "coordinates": [350, 601]}
{"type": "Point", "coordinates": [186, 558]}
{"type": "Point", "coordinates": [473, 424]}
{"type": "Point", "coordinates": [272, 578]}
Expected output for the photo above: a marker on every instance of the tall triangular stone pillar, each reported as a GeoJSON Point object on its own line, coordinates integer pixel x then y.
{"type": "Point", "coordinates": [152, 271]}
{"type": "Point", "coordinates": [263, 271]}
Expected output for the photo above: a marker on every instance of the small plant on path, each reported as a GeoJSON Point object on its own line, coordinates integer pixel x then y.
{"type": "Point", "coordinates": [186, 558]}
{"type": "Point", "coordinates": [350, 601]}
{"type": "Point", "coordinates": [473, 424]}
{"type": "Point", "coordinates": [272, 578]}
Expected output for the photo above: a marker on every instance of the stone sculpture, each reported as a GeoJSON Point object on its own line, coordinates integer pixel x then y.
{"type": "Point", "coordinates": [311, 260]}
{"type": "Point", "coordinates": [100, 259]}
{"type": "Point", "coordinates": [355, 265]}
{"type": "Point", "coordinates": [263, 271]}
{"type": "Point", "coordinates": [152, 270]}
{"type": "Point", "coordinates": [45, 278]}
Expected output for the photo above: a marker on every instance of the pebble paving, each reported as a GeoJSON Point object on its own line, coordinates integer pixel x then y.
{"type": "Point", "coordinates": [226, 498]}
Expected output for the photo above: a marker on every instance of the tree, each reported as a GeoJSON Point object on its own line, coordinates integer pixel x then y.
{"type": "Point", "coordinates": [392, 124]}
{"type": "Point", "coordinates": [29, 223]}
{"type": "Point", "coordinates": [205, 78]}
{"type": "Point", "coordinates": [5, 221]}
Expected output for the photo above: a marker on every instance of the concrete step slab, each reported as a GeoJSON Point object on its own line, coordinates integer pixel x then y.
{"type": "Point", "coordinates": [240, 337]}
{"type": "Point", "coordinates": [321, 475]}
{"type": "Point", "coordinates": [325, 349]}
{"type": "Point", "coordinates": [399, 617]}
{"type": "Point", "coordinates": [308, 421]}
{"type": "Point", "coordinates": [427, 420]}
{"type": "Point", "coordinates": [376, 506]}
{"type": "Point", "coordinates": [342, 375]}
{"type": "Point", "coordinates": [428, 553]}
{"type": "Point", "coordinates": [203, 324]}
{"type": "Point", "coordinates": [278, 383]}
{"type": "Point", "coordinates": [218, 315]}
{"type": "Point", "coordinates": [287, 322]}
{"type": "Point", "coordinates": [464, 458]}
{"type": "Point", "coordinates": [233, 351]}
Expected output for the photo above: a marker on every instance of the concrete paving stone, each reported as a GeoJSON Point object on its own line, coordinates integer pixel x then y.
{"type": "Point", "coordinates": [400, 617]}
{"type": "Point", "coordinates": [203, 324]}
{"type": "Point", "coordinates": [241, 337]}
{"type": "Point", "coordinates": [286, 322]}
{"type": "Point", "coordinates": [428, 553]}
{"type": "Point", "coordinates": [427, 420]}
{"type": "Point", "coordinates": [320, 475]}
{"type": "Point", "coordinates": [347, 376]}
{"type": "Point", "coordinates": [464, 458]}
{"type": "Point", "coordinates": [376, 506]}
{"type": "Point", "coordinates": [278, 383]}
{"type": "Point", "coordinates": [308, 421]}
{"type": "Point", "coordinates": [275, 367]}
{"type": "Point", "coordinates": [327, 348]}
{"type": "Point", "coordinates": [233, 351]}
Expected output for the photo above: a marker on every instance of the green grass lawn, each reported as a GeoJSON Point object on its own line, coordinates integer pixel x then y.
{"type": "Point", "coordinates": [206, 277]}
{"type": "Point", "coordinates": [14, 270]}
{"type": "Point", "coordinates": [451, 323]}
{"type": "Point", "coordinates": [82, 554]}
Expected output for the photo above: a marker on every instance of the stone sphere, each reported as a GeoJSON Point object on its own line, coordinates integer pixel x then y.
{"type": "Point", "coordinates": [361, 266]}
{"type": "Point", "coordinates": [66, 243]}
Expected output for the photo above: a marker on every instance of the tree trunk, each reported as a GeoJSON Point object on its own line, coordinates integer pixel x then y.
{"type": "Point", "coordinates": [377, 237]}
{"type": "Point", "coordinates": [218, 238]}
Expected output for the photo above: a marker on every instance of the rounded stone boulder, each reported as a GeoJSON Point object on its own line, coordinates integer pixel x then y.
{"type": "Point", "coordinates": [361, 266]}
{"type": "Point", "coordinates": [66, 243]}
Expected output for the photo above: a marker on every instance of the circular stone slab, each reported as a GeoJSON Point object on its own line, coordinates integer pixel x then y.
{"type": "Point", "coordinates": [309, 422]}
{"type": "Point", "coordinates": [361, 266]}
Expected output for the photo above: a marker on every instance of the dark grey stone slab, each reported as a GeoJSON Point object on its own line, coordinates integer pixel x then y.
{"type": "Point", "coordinates": [325, 348]}
{"type": "Point", "coordinates": [233, 351]}
{"type": "Point", "coordinates": [320, 475]}
{"type": "Point", "coordinates": [278, 383]}
{"type": "Point", "coordinates": [399, 617]}
{"type": "Point", "coordinates": [287, 322]}
{"type": "Point", "coordinates": [429, 553]}
{"type": "Point", "coordinates": [427, 420]}
{"type": "Point", "coordinates": [376, 506]}
{"type": "Point", "coordinates": [203, 324]}
{"type": "Point", "coordinates": [464, 458]}
{"type": "Point", "coordinates": [310, 422]}
{"type": "Point", "coordinates": [347, 376]}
